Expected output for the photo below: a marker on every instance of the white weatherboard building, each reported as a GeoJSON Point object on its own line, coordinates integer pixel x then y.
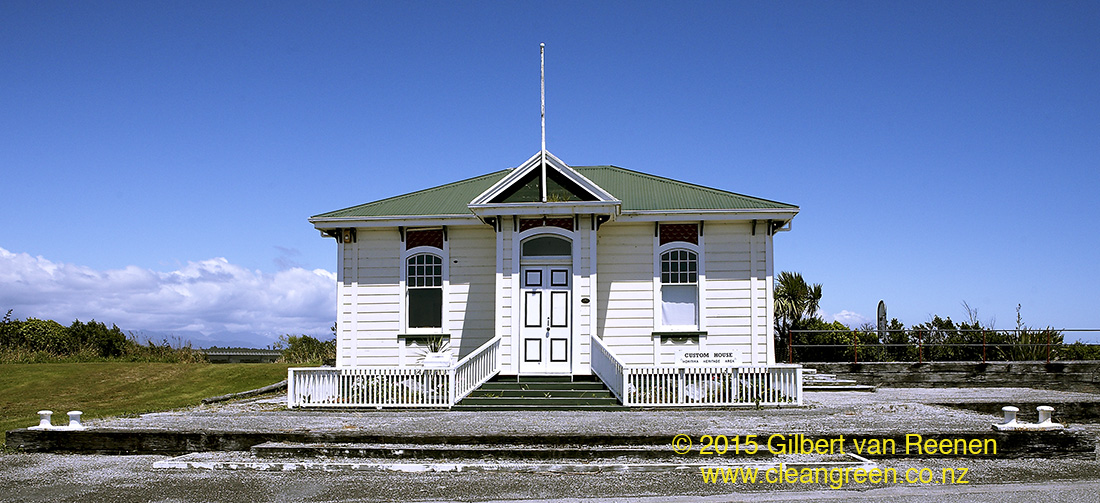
{"type": "Point", "coordinates": [551, 269]}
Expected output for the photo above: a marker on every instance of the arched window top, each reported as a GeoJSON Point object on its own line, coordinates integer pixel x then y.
{"type": "Point", "coordinates": [547, 246]}
{"type": "Point", "coordinates": [679, 266]}
{"type": "Point", "coordinates": [425, 270]}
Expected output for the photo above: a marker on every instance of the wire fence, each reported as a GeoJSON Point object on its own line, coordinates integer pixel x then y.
{"type": "Point", "coordinates": [928, 345]}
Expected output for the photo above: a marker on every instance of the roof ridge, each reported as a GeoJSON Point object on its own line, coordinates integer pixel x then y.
{"type": "Point", "coordinates": [683, 183]}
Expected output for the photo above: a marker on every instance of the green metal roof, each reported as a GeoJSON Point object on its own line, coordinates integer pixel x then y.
{"type": "Point", "coordinates": [449, 199]}
{"type": "Point", "coordinates": [637, 191]}
{"type": "Point", "coordinates": [642, 192]}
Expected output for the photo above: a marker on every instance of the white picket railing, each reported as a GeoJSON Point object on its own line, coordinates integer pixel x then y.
{"type": "Point", "coordinates": [608, 368]}
{"type": "Point", "coordinates": [476, 368]}
{"type": "Point", "coordinates": [667, 386]}
{"type": "Point", "coordinates": [392, 386]}
{"type": "Point", "coordinates": [633, 385]}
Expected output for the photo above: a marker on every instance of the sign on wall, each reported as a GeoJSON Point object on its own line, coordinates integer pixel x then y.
{"type": "Point", "coordinates": [693, 358]}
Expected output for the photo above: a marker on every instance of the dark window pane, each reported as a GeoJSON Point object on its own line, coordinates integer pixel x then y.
{"type": "Point", "coordinates": [547, 246]}
{"type": "Point", "coordinates": [426, 308]}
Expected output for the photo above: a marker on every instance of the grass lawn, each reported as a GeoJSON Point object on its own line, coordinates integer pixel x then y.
{"type": "Point", "coordinates": [111, 389]}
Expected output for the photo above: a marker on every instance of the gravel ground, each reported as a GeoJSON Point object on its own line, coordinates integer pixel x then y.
{"type": "Point", "coordinates": [73, 478]}
{"type": "Point", "coordinates": [62, 478]}
{"type": "Point", "coordinates": [902, 410]}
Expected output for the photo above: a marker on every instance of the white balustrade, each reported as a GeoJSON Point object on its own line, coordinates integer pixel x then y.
{"type": "Point", "coordinates": [677, 386]}
{"type": "Point", "coordinates": [392, 386]}
{"type": "Point", "coordinates": [641, 385]}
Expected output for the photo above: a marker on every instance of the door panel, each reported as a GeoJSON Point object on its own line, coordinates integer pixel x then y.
{"type": "Point", "coordinates": [546, 334]}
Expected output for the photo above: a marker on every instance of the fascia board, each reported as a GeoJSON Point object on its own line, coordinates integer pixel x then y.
{"type": "Point", "coordinates": [579, 207]}
{"type": "Point", "coordinates": [583, 181]}
{"type": "Point", "coordinates": [531, 164]}
{"type": "Point", "coordinates": [393, 221]}
{"type": "Point", "coordinates": [507, 181]}
{"type": "Point", "coordinates": [688, 215]}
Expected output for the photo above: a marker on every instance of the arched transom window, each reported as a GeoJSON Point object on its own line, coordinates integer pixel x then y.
{"type": "Point", "coordinates": [547, 246]}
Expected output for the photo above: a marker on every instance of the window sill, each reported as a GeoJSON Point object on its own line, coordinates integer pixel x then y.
{"type": "Point", "coordinates": [679, 333]}
{"type": "Point", "coordinates": [424, 335]}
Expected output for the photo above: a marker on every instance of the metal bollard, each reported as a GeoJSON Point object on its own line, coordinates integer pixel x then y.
{"type": "Point", "coordinates": [43, 420]}
{"type": "Point", "coordinates": [1010, 414]}
{"type": "Point", "coordinates": [74, 420]}
{"type": "Point", "coordinates": [1045, 411]}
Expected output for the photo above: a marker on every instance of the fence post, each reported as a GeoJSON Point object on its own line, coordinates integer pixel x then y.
{"type": "Point", "coordinates": [790, 347]}
{"type": "Point", "coordinates": [920, 346]}
{"type": "Point", "coordinates": [1048, 346]}
{"type": "Point", "coordinates": [855, 347]}
{"type": "Point", "coordinates": [680, 384]}
{"type": "Point", "coordinates": [290, 403]}
{"type": "Point", "coordinates": [450, 387]}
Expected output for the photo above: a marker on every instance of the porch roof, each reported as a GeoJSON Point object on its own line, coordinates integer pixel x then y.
{"type": "Point", "coordinates": [638, 192]}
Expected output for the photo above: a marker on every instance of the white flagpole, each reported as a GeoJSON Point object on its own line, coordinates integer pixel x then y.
{"type": "Point", "coordinates": [542, 70]}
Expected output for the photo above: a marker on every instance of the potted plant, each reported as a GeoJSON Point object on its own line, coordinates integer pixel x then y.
{"type": "Point", "coordinates": [436, 353]}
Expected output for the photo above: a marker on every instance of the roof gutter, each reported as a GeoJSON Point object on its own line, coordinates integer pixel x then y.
{"type": "Point", "coordinates": [745, 215]}
{"type": "Point", "coordinates": [393, 221]}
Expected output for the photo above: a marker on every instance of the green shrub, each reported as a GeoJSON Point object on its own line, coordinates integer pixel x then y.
{"type": "Point", "coordinates": [48, 336]}
{"type": "Point", "coordinates": [306, 350]}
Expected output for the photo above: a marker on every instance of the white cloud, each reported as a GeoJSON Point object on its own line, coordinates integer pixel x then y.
{"type": "Point", "coordinates": [208, 296]}
{"type": "Point", "coordinates": [852, 319]}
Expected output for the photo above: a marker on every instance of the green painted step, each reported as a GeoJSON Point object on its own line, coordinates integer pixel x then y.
{"type": "Point", "coordinates": [487, 408]}
{"type": "Point", "coordinates": [538, 400]}
{"type": "Point", "coordinates": [538, 393]}
{"type": "Point", "coordinates": [542, 386]}
{"type": "Point", "coordinates": [541, 393]}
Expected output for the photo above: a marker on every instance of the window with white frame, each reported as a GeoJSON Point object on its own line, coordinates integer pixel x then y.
{"type": "Point", "coordinates": [424, 285]}
{"type": "Point", "coordinates": [680, 289]}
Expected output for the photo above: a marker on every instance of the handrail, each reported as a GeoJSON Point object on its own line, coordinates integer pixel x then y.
{"type": "Point", "coordinates": [616, 381]}
{"type": "Point", "coordinates": [474, 370]}
{"type": "Point", "coordinates": [479, 349]}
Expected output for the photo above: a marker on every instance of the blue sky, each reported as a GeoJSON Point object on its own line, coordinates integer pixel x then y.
{"type": "Point", "coordinates": [160, 159]}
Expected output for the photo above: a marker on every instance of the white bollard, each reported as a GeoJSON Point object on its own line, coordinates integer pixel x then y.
{"type": "Point", "coordinates": [74, 420]}
{"type": "Point", "coordinates": [1011, 424]}
{"type": "Point", "coordinates": [1045, 411]}
{"type": "Point", "coordinates": [43, 420]}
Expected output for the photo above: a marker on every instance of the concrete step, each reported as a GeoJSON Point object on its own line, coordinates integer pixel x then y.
{"type": "Point", "coordinates": [830, 382]}
{"type": "Point", "coordinates": [454, 452]}
{"type": "Point", "coordinates": [1079, 443]}
{"type": "Point", "coordinates": [241, 461]}
{"type": "Point", "coordinates": [838, 387]}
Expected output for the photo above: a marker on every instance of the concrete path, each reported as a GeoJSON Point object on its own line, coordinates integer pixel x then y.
{"type": "Point", "coordinates": [897, 410]}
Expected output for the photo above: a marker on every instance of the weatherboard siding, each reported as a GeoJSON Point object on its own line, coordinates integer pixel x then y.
{"type": "Point", "coordinates": [472, 290]}
{"type": "Point", "coordinates": [369, 317]}
{"type": "Point", "coordinates": [624, 291]}
{"type": "Point", "coordinates": [736, 290]}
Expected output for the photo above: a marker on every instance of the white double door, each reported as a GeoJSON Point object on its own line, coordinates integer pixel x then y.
{"type": "Point", "coordinates": [546, 333]}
